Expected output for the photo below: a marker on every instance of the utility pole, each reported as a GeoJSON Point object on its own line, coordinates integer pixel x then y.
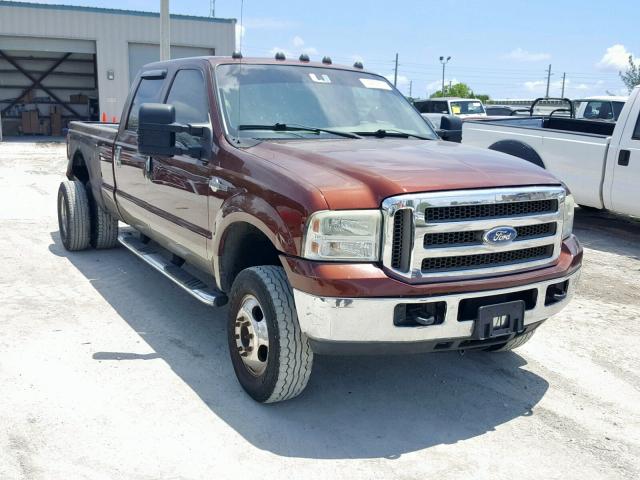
{"type": "Point", "coordinates": [548, 80]}
{"type": "Point", "coordinates": [165, 32]}
{"type": "Point", "coordinates": [411, 88]}
{"type": "Point", "coordinates": [395, 72]}
{"type": "Point", "coordinates": [443, 62]}
{"type": "Point", "coordinates": [212, 8]}
{"type": "Point", "coordinates": [564, 75]}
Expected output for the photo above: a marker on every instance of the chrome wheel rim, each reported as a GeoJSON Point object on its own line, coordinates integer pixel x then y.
{"type": "Point", "coordinates": [62, 208]}
{"type": "Point", "coordinates": [252, 335]}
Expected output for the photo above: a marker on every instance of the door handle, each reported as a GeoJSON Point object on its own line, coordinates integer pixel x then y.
{"type": "Point", "coordinates": [623, 157]}
{"type": "Point", "coordinates": [116, 156]}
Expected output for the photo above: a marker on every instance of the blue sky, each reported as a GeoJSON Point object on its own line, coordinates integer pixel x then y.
{"type": "Point", "coordinates": [499, 47]}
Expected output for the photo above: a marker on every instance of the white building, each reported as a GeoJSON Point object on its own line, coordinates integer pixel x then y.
{"type": "Point", "coordinates": [87, 57]}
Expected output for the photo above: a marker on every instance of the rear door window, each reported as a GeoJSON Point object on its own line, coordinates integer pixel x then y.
{"type": "Point", "coordinates": [148, 92]}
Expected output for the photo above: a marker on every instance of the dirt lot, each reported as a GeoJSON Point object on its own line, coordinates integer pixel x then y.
{"type": "Point", "coordinates": [108, 371]}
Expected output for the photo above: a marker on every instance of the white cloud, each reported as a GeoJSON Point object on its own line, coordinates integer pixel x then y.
{"type": "Point", "coordinates": [521, 55]}
{"type": "Point", "coordinates": [571, 90]}
{"type": "Point", "coordinates": [615, 58]}
{"type": "Point", "coordinates": [403, 81]}
{"type": "Point", "coordinates": [286, 52]}
{"type": "Point", "coordinates": [297, 45]}
{"type": "Point", "coordinates": [436, 85]}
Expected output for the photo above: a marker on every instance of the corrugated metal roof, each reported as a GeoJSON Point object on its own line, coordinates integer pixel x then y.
{"type": "Point", "coordinates": [113, 11]}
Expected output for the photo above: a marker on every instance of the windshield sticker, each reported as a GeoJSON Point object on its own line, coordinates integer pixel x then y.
{"type": "Point", "coordinates": [324, 78]}
{"type": "Point", "coordinates": [372, 83]}
{"type": "Point", "coordinates": [455, 109]}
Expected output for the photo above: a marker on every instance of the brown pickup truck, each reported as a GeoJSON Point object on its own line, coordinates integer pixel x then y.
{"type": "Point", "coordinates": [321, 205]}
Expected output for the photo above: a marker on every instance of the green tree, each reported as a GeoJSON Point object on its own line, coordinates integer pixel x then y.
{"type": "Point", "coordinates": [631, 77]}
{"type": "Point", "coordinates": [461, 90]}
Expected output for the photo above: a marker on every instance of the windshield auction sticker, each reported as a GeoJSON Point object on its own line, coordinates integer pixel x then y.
{"type": "Point", "coordinates": [372, 83]}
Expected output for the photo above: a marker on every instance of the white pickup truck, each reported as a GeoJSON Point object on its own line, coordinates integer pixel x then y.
{"type": "Point", "coordinates": [599, 161]}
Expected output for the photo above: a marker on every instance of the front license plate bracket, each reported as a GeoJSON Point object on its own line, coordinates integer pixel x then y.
{"type": "Point", "coordinates": [499, 319]}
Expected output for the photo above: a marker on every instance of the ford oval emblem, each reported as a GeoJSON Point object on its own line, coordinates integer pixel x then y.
{"type": "Point", "coordinates": [500, 235]}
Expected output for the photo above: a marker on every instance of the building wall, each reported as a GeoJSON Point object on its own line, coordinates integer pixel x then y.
{"type": "Point", "coordinates": [112, 32]}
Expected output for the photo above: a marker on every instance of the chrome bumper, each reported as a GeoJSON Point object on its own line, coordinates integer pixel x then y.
{"type": "Point", "coordinates": [360, 320]}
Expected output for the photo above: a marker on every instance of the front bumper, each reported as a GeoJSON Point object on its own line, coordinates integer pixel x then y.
{"type": "Point", "coordinates": [357, 321]}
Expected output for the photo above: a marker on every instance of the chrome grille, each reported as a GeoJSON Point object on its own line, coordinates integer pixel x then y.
{"type": "Point", "coordinates": [475, 236]}
{"type": "Point", "coordinates": [494, 259]}
{"type": "Point", "coordinates": [492, 210]}
{"type": "Point", "coordinates": [445, 237]}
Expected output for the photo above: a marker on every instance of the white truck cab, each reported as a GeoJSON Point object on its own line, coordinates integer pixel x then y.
{"type": "Point", "coordinates": [598, 160]}
{"type": "Point", "coordinates": [607, 107]}
{"type": "Point", "coordinates": [465, 108]}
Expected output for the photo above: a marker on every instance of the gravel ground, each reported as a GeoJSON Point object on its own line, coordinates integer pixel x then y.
{"type": "Point", "coordinates": [108, 371]}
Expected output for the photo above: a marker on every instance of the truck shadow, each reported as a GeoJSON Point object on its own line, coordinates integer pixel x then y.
{"type": "Point", "coordinates": [354, 407]}
{"type": "Point", "coordinates": [608, 232]}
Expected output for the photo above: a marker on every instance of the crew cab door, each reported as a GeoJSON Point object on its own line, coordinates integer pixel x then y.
{"type": "Point", "coordinates": [178, 185]}
{"type": "Point", "coordinates": [624, 161]}
{"type": "Point", "coordinates": [128, 164]}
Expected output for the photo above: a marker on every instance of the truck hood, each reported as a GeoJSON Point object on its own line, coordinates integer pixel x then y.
{"type": "Point", "coordinates": [362, 173]}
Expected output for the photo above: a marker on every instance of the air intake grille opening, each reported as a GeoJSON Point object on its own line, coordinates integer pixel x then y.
{"type": "Point", "coordinates": [402, 239]}
{"type": "Point", "coordinates": [491, 210]}
{"type": "Point", "coordinates": [474, 237]}
{"type": "Point", "coordinates": [484, 260]}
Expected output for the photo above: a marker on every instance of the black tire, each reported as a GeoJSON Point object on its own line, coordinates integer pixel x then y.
{"type": "Point", "coordinates": [104, 228]}
{"type": "Point", "coordinates": [515, 342]}
{"type": "Point", "coordinates": [289, 358]}
{"type": "Point", "coordinates": [73, 216]}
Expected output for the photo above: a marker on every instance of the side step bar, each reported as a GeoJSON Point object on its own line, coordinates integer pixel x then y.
{"type": "Point", "coordinates": [177, 275]}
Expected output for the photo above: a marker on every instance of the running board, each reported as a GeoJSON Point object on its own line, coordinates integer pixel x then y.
{"type": "Point", "coordinates": [192, 285]}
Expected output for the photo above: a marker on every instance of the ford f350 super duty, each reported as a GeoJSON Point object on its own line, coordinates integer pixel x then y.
{"type": "Point", "coordinates": [322, 207]}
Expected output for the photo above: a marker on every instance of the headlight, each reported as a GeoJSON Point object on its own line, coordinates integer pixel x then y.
{"type": "Point", "coordinates": [567, 224]}
{"type": "Point", "coordinates": [343, 235]}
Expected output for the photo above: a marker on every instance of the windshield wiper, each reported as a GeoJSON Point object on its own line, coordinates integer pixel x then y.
{"type": "Point", "coordinates": [294, 127]}
{"type": "Point", "coordinates": [391, 133]}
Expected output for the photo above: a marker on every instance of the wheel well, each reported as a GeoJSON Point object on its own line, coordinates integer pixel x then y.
{"type": "Point", "coordinates": [79, 168]}
{"type": "Point", "coordinates": [518, 149]}
{"type": "Point", "coordinates": [244, 246]}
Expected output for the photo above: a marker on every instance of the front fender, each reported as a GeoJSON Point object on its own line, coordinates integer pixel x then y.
{"type": "Point", "coordinates": [282, 224]}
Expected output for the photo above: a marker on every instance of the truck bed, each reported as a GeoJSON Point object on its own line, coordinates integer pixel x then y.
{"type": "Point", "coordinates": [560, 124]}
{"type": "Point", "coordinates": [104, 131]}
{"type": "Point", "coordinates": [94, 142]}
{"type": "Point", "coordinates": [573, 150]}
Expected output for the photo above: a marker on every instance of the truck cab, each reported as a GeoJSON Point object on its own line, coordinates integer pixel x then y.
{"type": "Point", "coordinates": [435, 108]}
{"type": "Point", "coordinates": [605, 108]}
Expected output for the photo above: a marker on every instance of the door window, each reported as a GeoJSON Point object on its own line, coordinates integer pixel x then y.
{"type": "Point", "coordinates": [148, 92]}
{"type": "Point", "coordinates": [188, 95]}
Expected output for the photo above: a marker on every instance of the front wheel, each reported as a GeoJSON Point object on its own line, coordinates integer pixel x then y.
{"type": "Point", "coordinates": [270, 355]}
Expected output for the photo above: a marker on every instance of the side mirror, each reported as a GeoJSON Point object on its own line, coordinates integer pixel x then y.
{"type": "Point", "coordinates": [450, 128]}
{"type": "Point", "coordinates": [157, 130]}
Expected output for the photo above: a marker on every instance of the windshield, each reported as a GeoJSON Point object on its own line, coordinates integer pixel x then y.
{"type": "Point", "coordinates": [318, 98]}
{"type": "Point", "coordinates": [467, 108]}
